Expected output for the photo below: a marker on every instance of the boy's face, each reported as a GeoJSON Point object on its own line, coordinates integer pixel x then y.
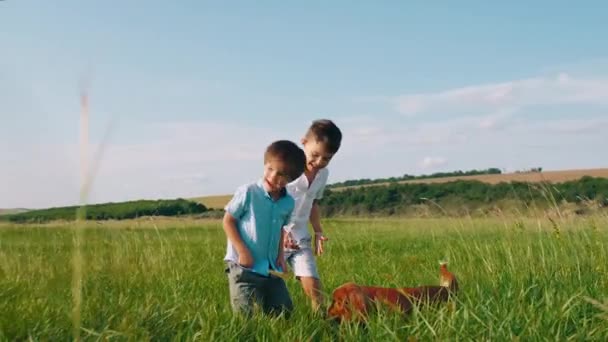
{"type": "Point", "coordinates": [275, 175]}
{"type": "Point", "coordinates": [317, 156]}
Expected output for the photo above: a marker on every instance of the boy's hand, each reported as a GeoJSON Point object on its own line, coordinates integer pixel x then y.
{"type": "Point", "coordinates": [245, 258]}
{"type": "Point", "coordinates": [319, 238]}
{"type": "Point", "coordinates": [289, 242]}
{"type": "Point", "coordinates": [281, 264]}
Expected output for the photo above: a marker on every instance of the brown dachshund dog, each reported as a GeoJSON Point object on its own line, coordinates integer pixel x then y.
{"type": "Point", "coordinates": [352, 302]}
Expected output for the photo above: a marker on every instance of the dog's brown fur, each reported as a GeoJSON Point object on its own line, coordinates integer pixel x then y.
{"type": "Point", "coordinates": [354, 302]}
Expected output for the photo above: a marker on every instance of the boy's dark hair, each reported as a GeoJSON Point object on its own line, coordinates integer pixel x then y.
{"type": "Point", "coordinates": [289, 153]}
{"type": "Point", "coordinates": [327, 133]}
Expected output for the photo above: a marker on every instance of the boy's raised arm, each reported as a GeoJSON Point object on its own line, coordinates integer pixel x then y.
{"type": "Point", "coordinates": [229, 224]}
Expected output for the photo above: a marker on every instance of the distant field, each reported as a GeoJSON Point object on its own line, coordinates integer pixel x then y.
{"type": "Point", "coordinates": [149, 279]}
{"type": "Point", "coordinates": [218, 202]}
{"type": "Point", "coordinates": [545, 176]}
{"type": "Point", "coordinates": [213, 202]}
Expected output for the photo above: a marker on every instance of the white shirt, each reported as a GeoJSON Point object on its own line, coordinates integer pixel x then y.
{"type": "Point", "coordinates": [304, 195]}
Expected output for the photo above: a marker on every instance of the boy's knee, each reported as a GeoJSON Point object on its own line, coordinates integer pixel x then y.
{"type": "Point", "coordinates": [312, 284]}
{"type": "Point", "coordinates": [242, 305]}
{"type": "Point", "coordinates": [242, 309]}
{"type": "Point", "coordinates": [279, 302]}
{"type": "Point", "coordinates": [242, 299]}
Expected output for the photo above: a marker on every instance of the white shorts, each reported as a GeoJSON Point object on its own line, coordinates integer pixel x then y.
{"type": "Point", "coordinates": [302, 262]}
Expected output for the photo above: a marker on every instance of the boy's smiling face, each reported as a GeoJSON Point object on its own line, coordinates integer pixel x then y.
{"type": "Point", "coordinates": [275, 176]}
{"type": "Point", "coordinates": [317, 156]}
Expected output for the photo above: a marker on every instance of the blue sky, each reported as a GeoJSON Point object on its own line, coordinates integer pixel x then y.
{"type": "Point", "coordinates": [189, 93]}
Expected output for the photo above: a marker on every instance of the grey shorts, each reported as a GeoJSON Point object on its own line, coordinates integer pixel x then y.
{"type": "Point", "coordinates": [302, 262]}
{"type": "Point", "coordinates": [248, 288]}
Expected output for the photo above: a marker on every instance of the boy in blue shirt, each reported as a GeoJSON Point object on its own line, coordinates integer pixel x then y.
{"type": "Point", "coordinates": [253, 224]}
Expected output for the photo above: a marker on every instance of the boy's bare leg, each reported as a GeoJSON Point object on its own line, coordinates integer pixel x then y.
{"type": "Point", "coordinates": [312, 288]}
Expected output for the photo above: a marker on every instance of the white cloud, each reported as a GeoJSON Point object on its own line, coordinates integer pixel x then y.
{"type": "Point", "coordinates": [496, 120]}
{"type": "Point", "coordinates": [577, 126]}
{"type": "Point", "coordinates": [432, 162]}
{"type": "Point", "coordinates": [186, 178]}
{"type": "Point", "coordinates": [180, 143]}
{"type": "Point", "coordinates": [365, 134]}
{"type": "Point", "coordinates": [184, 159]}
{"type": "Point", "coordinates": [559, 89]}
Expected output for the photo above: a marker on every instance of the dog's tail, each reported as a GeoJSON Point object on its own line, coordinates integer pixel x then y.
{"type": "Point", "coordinates": [447, 278]}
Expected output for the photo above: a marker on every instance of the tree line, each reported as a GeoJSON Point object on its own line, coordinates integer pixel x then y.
{"type": "Point", "coordinates": [461, 194]}
{"type": "Point", "coordinates": [111, 211]}
{"type": "Point", "coordinates": [406, 177]}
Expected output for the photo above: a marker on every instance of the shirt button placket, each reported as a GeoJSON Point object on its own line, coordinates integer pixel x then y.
{"type": "Point", "coordinates": [273, 223]}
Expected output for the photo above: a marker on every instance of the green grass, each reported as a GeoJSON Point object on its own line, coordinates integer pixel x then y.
{"type": "Point", "coordinates": [164, 280]}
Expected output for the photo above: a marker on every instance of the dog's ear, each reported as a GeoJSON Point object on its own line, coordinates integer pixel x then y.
{"type": "Point", "coordinates": [336, 309]}
{"type": "Point", "coordinates": [358, 303]}
{"type": "Point", "coordinates": [348, 302]}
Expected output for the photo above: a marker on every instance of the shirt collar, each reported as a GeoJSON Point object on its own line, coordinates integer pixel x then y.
{"type": "Point", "coordinates": [301, 182]}
{"type": "Point", "coordinates": [261, 185]}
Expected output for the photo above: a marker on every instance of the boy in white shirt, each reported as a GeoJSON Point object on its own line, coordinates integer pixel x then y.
{"type": "Point", "coordinates": [320, 144]}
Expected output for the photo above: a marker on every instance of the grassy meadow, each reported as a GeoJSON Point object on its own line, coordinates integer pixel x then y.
{"type": "Point", "coordinates": [530, 279]}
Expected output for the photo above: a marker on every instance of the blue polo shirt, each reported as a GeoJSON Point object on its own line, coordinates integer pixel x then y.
{"type": "Point", "coordinates": [259, 222]}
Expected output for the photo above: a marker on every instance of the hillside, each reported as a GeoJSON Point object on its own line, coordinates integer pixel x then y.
{"type": "Point", "coordinates": [109, 211]}
{"type": "Point", "coordinates": [529, 177]}
{"type": "Point", "coordinates": [12, 211]}
{"type": "Point", "coordinates": [219, 201]}
{"type": "Point", "coordinates": [479, 192]}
